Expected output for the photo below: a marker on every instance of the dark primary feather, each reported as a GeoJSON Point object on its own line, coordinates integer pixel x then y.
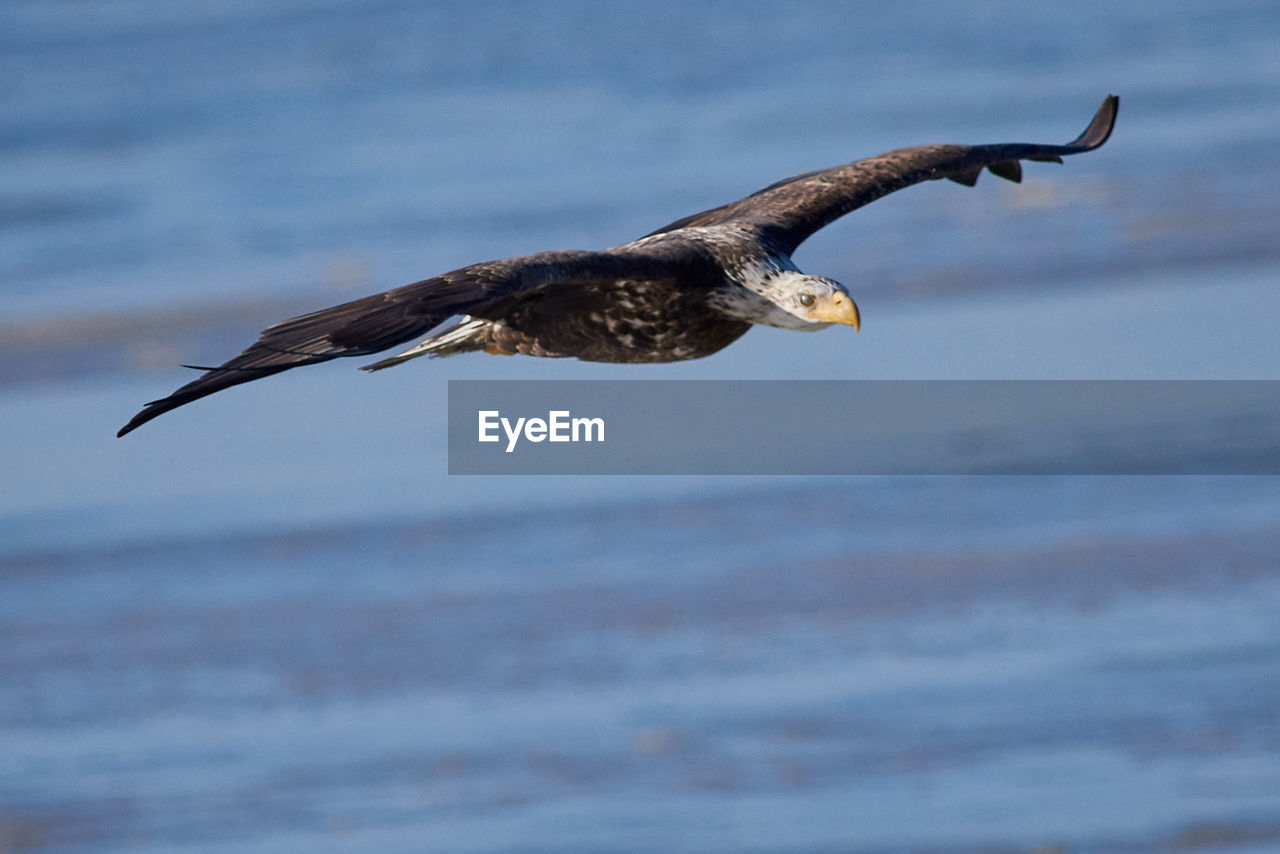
{"type": "Point", "coordinates": [639, 302]}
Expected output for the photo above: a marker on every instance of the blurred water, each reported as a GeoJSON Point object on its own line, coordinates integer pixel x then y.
{"type": "Point", "coordinates": [270, 621]}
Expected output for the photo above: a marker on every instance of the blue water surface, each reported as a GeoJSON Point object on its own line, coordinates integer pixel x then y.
{"type": "Point", "coordinates": [271, 621]}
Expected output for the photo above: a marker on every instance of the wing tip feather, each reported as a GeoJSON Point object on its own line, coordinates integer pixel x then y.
{"type": "Point", "coordinates": [1099, 129]}
{"type": "Point", "coordinates": [1010, 170]}
{"type": "Point", "coordinates": [967, 177]}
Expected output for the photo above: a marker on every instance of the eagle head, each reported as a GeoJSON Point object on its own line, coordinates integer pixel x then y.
{"type": "Point", "coordinates": [821, 301]}
{"type": "Point", "coordinates": [807, 303]}
{"type": "Point", "coordinates": [786, 299]}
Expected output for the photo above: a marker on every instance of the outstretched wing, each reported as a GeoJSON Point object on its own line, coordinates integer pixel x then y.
{"type": "Point", "coordinates": [374, 323]}
{"type": "Point", "coordinates": [785, 214]}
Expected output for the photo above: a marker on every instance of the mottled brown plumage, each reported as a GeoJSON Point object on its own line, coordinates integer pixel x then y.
{"type": "Point", "coordinates": [682, 292]}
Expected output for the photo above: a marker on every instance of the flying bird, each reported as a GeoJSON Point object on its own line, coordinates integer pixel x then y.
{"type": "Point", "coordinates": [682, 292]}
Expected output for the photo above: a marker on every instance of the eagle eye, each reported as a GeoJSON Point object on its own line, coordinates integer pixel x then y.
{"type": "Point", "coordinates": [806, 300]}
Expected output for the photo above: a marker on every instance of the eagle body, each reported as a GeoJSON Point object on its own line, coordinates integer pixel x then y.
{"type": "Point", "coordinates": [681, 292]}
{"type": "Point", "coordinates": [629, 320]}
{"type": "Point", "coordinates": [702, 289]}
{"type": "Point", "coordinates": [656, 307]}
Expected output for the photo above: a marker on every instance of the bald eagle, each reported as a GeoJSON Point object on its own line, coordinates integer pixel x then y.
{"type": "Point", "coordinates": [682, 292]}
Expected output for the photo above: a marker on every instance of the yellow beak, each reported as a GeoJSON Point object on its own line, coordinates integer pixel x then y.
{"type": "Point", "coordinates": [838, 308]}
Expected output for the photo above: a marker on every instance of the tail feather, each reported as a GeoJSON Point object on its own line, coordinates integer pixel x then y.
{"type": "Point", "coordinates": [464, 337]}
